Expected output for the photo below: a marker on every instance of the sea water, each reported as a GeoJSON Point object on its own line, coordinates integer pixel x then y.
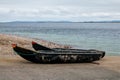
{"type": "Point", "coordinates": [101, 36]}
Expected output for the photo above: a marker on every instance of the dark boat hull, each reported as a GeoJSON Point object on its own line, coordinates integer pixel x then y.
{"type": "Point", "coordinates": [57, 56]}
{"type": "Point", "coordinates": [39, 47]}
{"type": "Point", "coordinates": [26, 54]}
{"type": "Point", "coordinates": [70, 58]}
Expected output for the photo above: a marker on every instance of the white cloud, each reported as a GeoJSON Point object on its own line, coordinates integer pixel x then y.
{"type": "Point", "coordinates": [101, 14]}
{"type": "Point", "coordinates": [69, 12]}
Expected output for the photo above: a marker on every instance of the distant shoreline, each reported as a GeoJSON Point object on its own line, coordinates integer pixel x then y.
{"type": "Point", "coordinates": [62, 22]}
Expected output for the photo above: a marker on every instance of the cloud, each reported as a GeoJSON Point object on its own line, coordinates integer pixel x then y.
{"type": "Point", "coordinates": [70, 13]}
{"type": "Point", "coordinates": [101, 14]}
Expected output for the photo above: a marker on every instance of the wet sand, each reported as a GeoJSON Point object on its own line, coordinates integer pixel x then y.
{"type": "Point", "coordinates": [13, 67]}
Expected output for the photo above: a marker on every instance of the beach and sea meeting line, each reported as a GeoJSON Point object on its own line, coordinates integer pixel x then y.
{"type": "Point", "coordinates": [101, 36]}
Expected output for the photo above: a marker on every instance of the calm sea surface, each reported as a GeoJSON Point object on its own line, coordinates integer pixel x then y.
{"type": "Point", "coordinates": [101, 36]}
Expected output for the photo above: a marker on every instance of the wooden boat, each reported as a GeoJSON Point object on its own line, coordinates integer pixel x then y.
{"type": "Point", "coordinates": [39, 47]}
{"type": "Point", "coordinates": [25, 53]}
{"type": "Point", "coordinates": [57, 56]}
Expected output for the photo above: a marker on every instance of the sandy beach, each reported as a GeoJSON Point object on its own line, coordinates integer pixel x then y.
{"type": "Point", "coordinates": [13, 67]}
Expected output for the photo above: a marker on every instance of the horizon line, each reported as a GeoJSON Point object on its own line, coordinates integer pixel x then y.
{"type": "Point", "coordinates": [61, 21]}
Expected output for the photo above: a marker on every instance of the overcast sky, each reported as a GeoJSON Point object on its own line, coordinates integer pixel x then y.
{"type": "Point", "coordinates": [59, 10]}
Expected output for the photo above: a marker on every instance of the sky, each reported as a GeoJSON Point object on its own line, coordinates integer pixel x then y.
{"type": "Point", "coordinates": [59, 10]}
